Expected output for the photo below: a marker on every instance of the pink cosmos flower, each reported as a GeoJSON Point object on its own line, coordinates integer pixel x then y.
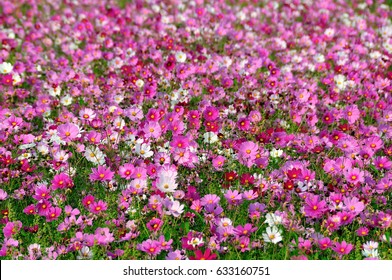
{"type": "Point", "coordinates": [125, 171]}
{"type": "Point", "coordinates": [382, 163]}
{"type": "Point", "coordinates": [245, 230]}
{"type": "Point", "coordinates": [152, 130]}
{"type": "Point", "coordinates": [248, 149]}
{"type": "Point", "coordinates": [53, 214]}
{"type": "Point", "coordinates": [98, 207]}
{"type": "Point", "coordinates": [314, 207]}
{"type": "Point", "coordinates": [154, 224]}
{"type": "Point", "coordinates": [354, 175]}
{"type": "Point", "coordinates": [101, 174]}
{"type": "Point", "coordinates": [342, 248]}
{"type": "Point", "coordinates": [324, 243]}
{"type": "Point", "coordinates": [29, 210]}
{"type": "Point", "coordinates": [12, 228]}
{"type": "Point", "coordinates": [362, 231]}
{"type": "Point", "coordinates": [218, 162]}
{"type": "Point", "coordinates": [353, 205]}
{"type": "Point", "coordinates": [196, 205]}
{"type": "Point", "coordinates": [233, 197]}
{"type": "Point", "coordinates": [249, 195]}
{"type": "Point", "coordinates": [243, 124]}
{"type": "Point", "coordinates": [199, 255]}
{"type": "Point", "coordinates": [151, 247]}
{"type": "Point", "coordinates": [61, 181]}
{"type": "Point", "coordinates": [41, 192]}
{"type": "Point", "coordinates": [42, 207]}
{"type": "Point", "coordinates": [181, 156]}
{"type": "Point", "coordinates": [351, 114]}
{"type": "Point", "coordinates": [210, 199]}
{"type": "Point", "coordinates": [211, 113]}
{"type": "Point", "coordinates": [68, 132]}
{"type": "Point", "coordinates": [87, 114]}
{"type": "Point", "coordinates": [3, 194]}
{"type": "Point", "coordinates": [88, 200]}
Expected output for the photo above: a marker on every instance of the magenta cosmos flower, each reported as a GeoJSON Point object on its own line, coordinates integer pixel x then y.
{"type": "Point", "coordinates": [68, 132]}
{"type": "Point", "coordinates": [354, 176]}
{"type": "Point", "coordinates": [61, 181]}
{"type": "Point", "coordinates": [314, 207]}
{"type": "Point", "coordinates": [126, 171]}
{"type": "Point", "coordinates": [101, 174]}
{"type": "Point", "coordinates": [12, 228]}
{"type": "Point", "coordinates": [199, 255]}
{"type": "Point", "coordinates": [343, 248]}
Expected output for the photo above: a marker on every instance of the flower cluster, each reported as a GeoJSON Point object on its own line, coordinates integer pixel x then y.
{"type": "Point", "coordinates": [195, 129]}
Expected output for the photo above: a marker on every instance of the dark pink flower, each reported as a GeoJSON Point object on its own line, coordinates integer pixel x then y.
{"type": "Point", "coordinates": [101, 174]}
{"type": "Point", "coordinates": [314, 207]}
{"type": "Point", "coordinates": [342, 248]}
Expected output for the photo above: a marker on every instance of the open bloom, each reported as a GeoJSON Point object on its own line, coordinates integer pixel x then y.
{"type": "Point", "coordinates": [11, 228]}
{"type": "Point", "coordinates": [354, 175]}
{"type": "Point", "coordinates": [126, 171]}
{"type": "Point", "coordinates": [166, 181]}
{"type": "Point", "coordinates": [342, 248]}
{"type": "Point", "coordinates": [273, 234]}
{"type": "Point", "coordinates": [151, 247]}
{"type": "Point", "coordinates": [174, 208]}
{"type": "Point", "coordinates": [68, 132]}
{"type": "Point", "coordinates": [6, 67]}
{"type": "Point", "coordinates": [3, 194]}
{"type": "Point", "coordinates": [314, 207]}
{"type": "Point", "coordinates": [101, 174]}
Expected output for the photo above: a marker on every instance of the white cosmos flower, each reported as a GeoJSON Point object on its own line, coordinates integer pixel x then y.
{"type": "Point", "coordinates": [372, 253]}
{"type": "Point", "coordinates": [16, 79]}
{"type": "Point", "coordinates": [61, 156]}
{"type": "Point", "coordinates": [388, 47]}
{"type": "Point", "coordinates": [195, 242]}
{"type": "Point", "coordinates": [94, 155]}
{"type": "Point", "coordinates": [273, 235]}
{"type": "Point", "coordinates": [24, 156]}
{"type": "Point", "coordinates": [130, 52]}
{"type": "Point", "coordinates": [54, 91]}
{"type": "Point", "coordinates": [370, 245]}
{"type": "Point", "coordinates": [386, 31]}
{"type": "Point", "coordinates": [118, 99]}
{"type": "Point", "coordinates": [85, 253]}
{"type": "Point", "coordinates": [319, 58]}
{"type": "Point", "coordinates": [139, 83]}
{"type": "Point", "coordinates": [272, 220]}
{"type": "Point", "coordinates": [180, 57]}
{"type": "Point", "coordinates": [166, 183]}
{"type": "Point", "coordinates": [276, 153]}
{"type": "Point", "coordinates": [144, 150]}
{"type": "Point", "coordinates": [210, 137]}
{"type": "Point", "coordinates": [175, 208]}
{"type": "Point", "coordinates": [119, 123]}
{"type": "Point", "coordinates": [329, 32]}
{"type": "Point", "coordinates": [27, 146]}
{"type": "Point", "coordinates": [340, 81]}
{"type": "Point", "coordinates": [66, 100]}
{"type": "Point", "coordinates": [43, 149]}
{"type": "Point", "coordinates": [6, 68]}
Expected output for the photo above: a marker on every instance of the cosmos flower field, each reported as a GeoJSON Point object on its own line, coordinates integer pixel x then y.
{"type": "Point", "coordinates": [178, 130]}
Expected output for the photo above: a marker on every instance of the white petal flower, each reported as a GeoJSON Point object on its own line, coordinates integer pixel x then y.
{"type": "Point", "coordinates": [6, 68]}
{"type": "Point", "coordinates": [272, 235]}
{"type": "Point", "coordinates": [210, 137]}
{"type": "Point", "coordinates": [180, 57]}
